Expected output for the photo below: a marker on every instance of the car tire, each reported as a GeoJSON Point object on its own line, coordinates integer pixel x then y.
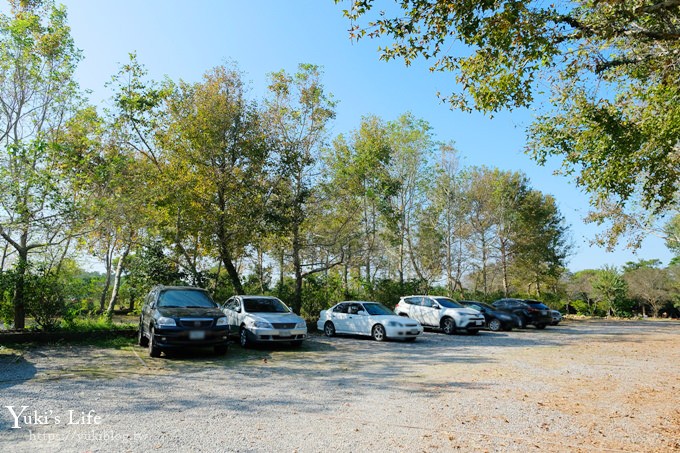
{"type": "Point", "coordinates": [154, 351]}
{"type": "Point", "coordinates": [448, 326]}
{"type": "Point", "coordinates": [378, 332]}
{"type": "Point", "coordinates": [221, 349]}
{"type": "Point", "coordinates": [495, 325]}
{"type": "Point", "coordinates": [540, 326]}
{"type": "Point", "coordinates": [244, 338]}
{"type": "Point", "coordinates": [141, 338]}
{"type": "Point", "coordinates": [329, 329]}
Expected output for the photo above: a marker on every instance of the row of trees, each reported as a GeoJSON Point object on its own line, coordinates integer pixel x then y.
{"type": "Point", "coordinates": [197, 182]}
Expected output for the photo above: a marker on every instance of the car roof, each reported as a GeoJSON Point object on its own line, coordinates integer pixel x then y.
{"type": "Point", "coordinates": [183, 288]}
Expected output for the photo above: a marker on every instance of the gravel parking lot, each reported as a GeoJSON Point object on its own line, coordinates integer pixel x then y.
{"type": "Point", "coordinates": [580, 386]}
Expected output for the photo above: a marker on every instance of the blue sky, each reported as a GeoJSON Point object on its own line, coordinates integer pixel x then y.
{"type": "Point", "coordinates": [182, 40]}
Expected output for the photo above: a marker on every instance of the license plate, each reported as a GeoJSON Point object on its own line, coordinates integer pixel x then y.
{"type": "Point", "coordinates": [414, 332]}
{"type": "Point", "coordinates": [284, 333]}
{"type": "Point", "coordinates": [197, 335]}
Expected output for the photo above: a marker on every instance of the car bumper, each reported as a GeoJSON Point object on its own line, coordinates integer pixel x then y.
{"type": "Point", "coordinates": [403, 332]}
{"type": "Point", "coordinates": [177, 338]}
{"type": "Point", "coordinates": [472, 324]}
{"type": "Point", "coordinates": [274, 335]}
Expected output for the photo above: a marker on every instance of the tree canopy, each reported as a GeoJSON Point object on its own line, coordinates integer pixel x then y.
{"type": "Point", "coordinates": [602, 75]}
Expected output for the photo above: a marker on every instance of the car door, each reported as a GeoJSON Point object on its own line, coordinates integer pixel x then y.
{"type": "Point", "coordinates": [416, 311]}
{"type": "Point", "coordinates": [430, 312]}
{"type": "Point", "coordinates": [147, 310]}
{"type": "Point", "coordinates": [340, 318]}
{"type": "Point", "coordinates": [229, 309]}
{"type": "Point", "coordinates": [358, 320]}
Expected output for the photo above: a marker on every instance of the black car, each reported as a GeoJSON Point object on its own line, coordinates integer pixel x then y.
{"type": "Point", "coordinates": [495, 319]}
{"type": "Point", "coordinates": [175, 317]}
{"type": "Point", "coordinates": [529, 311]}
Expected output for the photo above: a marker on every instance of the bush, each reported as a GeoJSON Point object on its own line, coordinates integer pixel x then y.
{"type": "Point", "coordinates": [45, 300]}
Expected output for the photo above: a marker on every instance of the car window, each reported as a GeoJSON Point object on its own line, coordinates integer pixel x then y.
{"type": "Point", "coordinates": [353, 309]}
{"type": "Point", "coordinates": [341, 308]}
{"type": "Point", "coordinates": [412, 300]}
{"type": "Point", "coordinates": [185, 298]}
{"type": "Point", "coordinates": [264, 305]}
{"type": "Point", "coordinates": [500, 304]}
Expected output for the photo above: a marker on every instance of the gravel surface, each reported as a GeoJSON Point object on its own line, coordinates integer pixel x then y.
{"type": "Point", "coordinates": [580, 386]}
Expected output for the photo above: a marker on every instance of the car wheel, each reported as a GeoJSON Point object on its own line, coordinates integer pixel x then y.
{"type": "Point", "coordinates": [244, 338]}
{"type": "Point", "coordinates": [141, 338]}
{"type": "Point", "coordinates": [329, 329]}
{"type": "Point", "coordinates": [449, 326]}
{"type": "Point", "coordinates": [378, 332]}
{"type": "Point", "coordinates": [221, 349]}
{"type": "Point", "coordinates": [154, 351]}
{"type": "Point", "coordinates": [540, 326]}
{"type": "Point", "coordinates": [495, 325]}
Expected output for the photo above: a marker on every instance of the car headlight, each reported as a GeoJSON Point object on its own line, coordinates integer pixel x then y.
{"type": "Point", "coordinates": [262, 324]}
{"type": "Point", "coordinates": [301, 325]}
{"type": "Point", "coordinates": [395, 324]}
{"type": "Point", "coordinates": [166, 322]}
{"type": "Point", "coordinates": [222, 321]}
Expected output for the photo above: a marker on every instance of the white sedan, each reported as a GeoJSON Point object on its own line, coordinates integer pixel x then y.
{"type": "Point", "coordinates": [367, 318]}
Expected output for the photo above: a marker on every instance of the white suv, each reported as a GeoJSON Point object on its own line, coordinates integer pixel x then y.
{"type": "Point", "coordinates": [440, 312]}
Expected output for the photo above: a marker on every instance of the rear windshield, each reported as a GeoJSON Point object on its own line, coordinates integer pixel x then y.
{"type": "Point", "coordinates": [537, 304]}
{"type": "Point", "coordinates": [447, 303]}
{"type": "Point", "coordinates": [185, 298]}
{"type": "Point", "coordinates": [264, 305]}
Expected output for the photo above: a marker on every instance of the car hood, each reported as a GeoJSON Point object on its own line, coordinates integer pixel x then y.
{"type": "Point", "coordinates": [182, 312]}
{"type": "Point", "coordinates": [465, 311]}
{"type": "Point", "coordinates": [276, 317]}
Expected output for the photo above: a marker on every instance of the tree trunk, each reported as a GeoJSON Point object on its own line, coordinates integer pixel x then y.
{"type": "Point", "coordinates": [297, 264]}
{"type": "Point", "coordinates": [116, 280]}
{"type": "Point", "coordinates": [19, 290]}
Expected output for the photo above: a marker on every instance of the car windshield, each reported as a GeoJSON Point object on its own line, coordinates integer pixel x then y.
{"type": "Point", "coordinates": [185, 298]}
{"type": "Point", "coordinates": [447, 303]}
{"type": "Point", "coordinates": [476, 305]}
{"type": "Point", "coordinates": [264, 305]}
{"type": "Point", "coordinates": [376, 309]}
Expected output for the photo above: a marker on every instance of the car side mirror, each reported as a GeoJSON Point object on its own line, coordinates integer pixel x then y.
{"type": "Point", "coordinates": [362, 313]}
{"type": "Point", "coordinates": [238, 310]}
{"type": "Point", "coordinates": [436, 307]}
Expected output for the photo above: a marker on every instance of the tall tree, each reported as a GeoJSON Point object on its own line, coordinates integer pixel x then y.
{"type": "Point", "coordinates": [298, 112]}
{"type": "Point", "coordinates": [216, 157]}
{"type": "Point", "coordinates": [37, 95]}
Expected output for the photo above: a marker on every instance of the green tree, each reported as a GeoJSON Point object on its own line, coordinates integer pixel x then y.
{"type": "Point", "coordinates": [614, 115]}
{"type": "Point", "coordinates": [38, 94]}
{"type": "Point", "coordinates": [609, 287]}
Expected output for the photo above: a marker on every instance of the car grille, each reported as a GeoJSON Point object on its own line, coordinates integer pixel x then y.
{"type": "Point", "coordinates": [196, 322]}
{"type": "Point", "coordinates": [283, 325]}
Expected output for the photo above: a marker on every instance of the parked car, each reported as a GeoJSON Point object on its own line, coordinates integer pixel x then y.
{"type": "Point", "coordinates": [529, 311]}
{"type": "Point", "coordinates": [556, 317]}
{"type": "Point", "coordinates": [263, 319]}
{"type": "Point", "coordinates": [440, 312]}
{"type": "Point", "coordinates": [495, 319]}
{"type": "Point", "coordinates": [367, 318]}
{"type": "Point", "coordinates": [175, 317]}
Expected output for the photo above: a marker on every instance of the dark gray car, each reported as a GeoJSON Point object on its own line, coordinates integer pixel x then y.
{"type": "Point", "coordinates": [529, 311]}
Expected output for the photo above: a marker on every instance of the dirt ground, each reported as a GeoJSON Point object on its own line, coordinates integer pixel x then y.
{"type": "Point", "coordinates": [582, 386]}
